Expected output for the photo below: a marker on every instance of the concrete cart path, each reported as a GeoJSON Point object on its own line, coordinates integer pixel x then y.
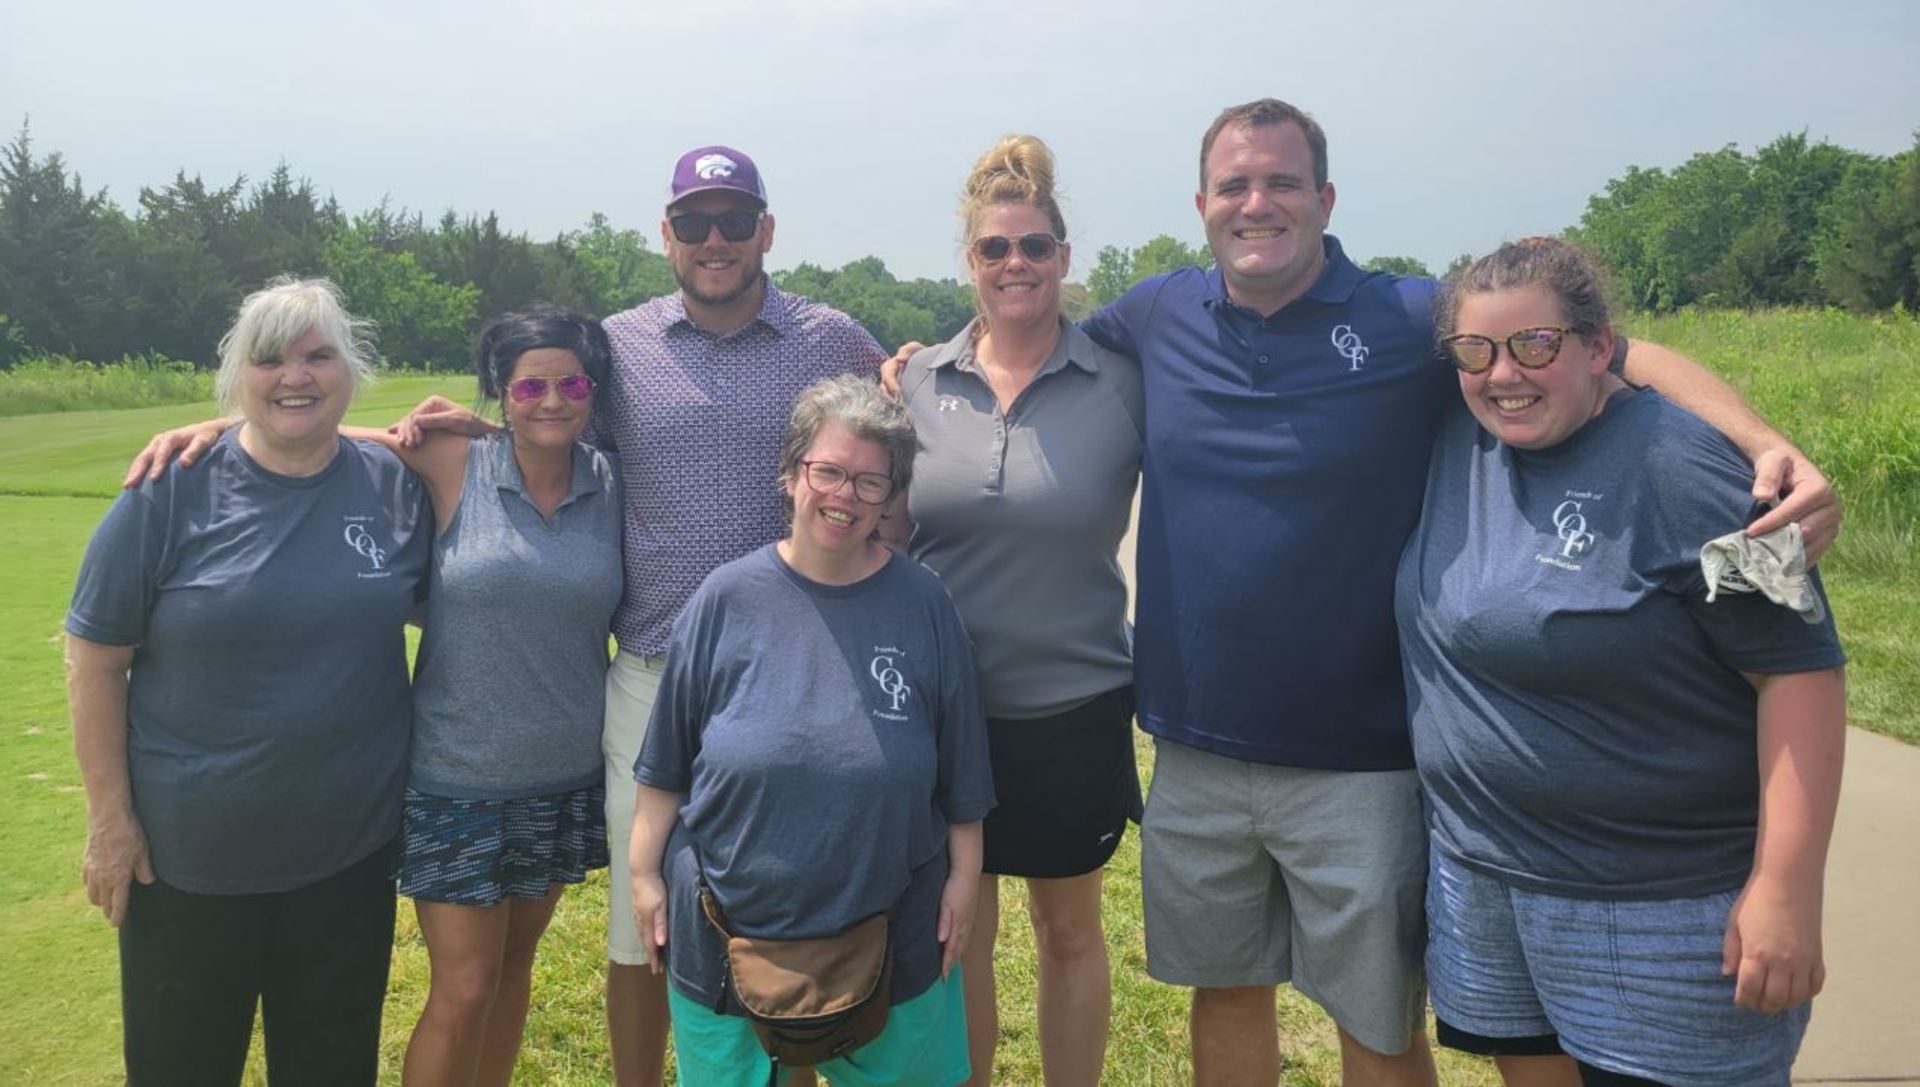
{"type": "Point", "coordinates": [1866, 1026]}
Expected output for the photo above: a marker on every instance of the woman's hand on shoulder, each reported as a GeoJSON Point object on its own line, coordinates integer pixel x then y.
{"type": "Point", "coordinates": [1772, 946]}
{"type": "Point", "coordinates": [891, 369]}
{"type": "Point", "coordinates": [181, 446]}
{"type": "Point", "coordinates": [116, 856]}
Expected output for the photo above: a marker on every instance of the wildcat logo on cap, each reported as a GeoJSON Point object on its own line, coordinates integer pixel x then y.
{"type": "Point", "coordinates": [712, 166]}
{"type": "Point", "coordinates": [705, 169]}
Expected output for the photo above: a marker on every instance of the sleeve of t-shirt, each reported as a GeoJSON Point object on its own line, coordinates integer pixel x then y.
{"type": "Point", "coordinates": [966, 775]}
{"type": "Point", "coordinates": [679, 707]}
{"type": "Point", "coordinates": [120, 574]}
{"type": "Point", "coordinates": [1703, 492]}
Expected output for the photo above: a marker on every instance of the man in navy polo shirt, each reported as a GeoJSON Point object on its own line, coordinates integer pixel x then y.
{"type": "Point", "coordinates": [1292, 400]}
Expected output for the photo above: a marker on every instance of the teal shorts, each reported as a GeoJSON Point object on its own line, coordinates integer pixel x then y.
{"type": "Point", "coordinates": [924, 1045]}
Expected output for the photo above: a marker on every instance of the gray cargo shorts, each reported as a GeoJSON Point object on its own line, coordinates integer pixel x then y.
{"type": "Point", "coordinates": [1255, 875]}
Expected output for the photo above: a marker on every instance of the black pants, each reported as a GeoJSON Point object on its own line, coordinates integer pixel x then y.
{"type": "Point", "coordinates": [193, 967]}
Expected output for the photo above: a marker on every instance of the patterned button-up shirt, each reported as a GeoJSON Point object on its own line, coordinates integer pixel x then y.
{"type": "Point", "coordinates": [696, 421]}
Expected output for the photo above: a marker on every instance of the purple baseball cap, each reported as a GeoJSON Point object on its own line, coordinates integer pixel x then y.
{"type": "Point", "coordinates": [704, 169]}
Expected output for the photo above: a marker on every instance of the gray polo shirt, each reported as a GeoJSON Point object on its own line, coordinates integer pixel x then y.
{"type": "Point", "coordinates": [1021, 513]}
{"type": "Point", "coordinates": [509, 690]}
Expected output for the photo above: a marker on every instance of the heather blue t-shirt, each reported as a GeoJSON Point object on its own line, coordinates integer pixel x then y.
{"type": "Point", "coordinates": [1285, 459]}
{"type": "Point", "coordinates": [268, 711]}
{"type": "Point", "coordinates": [825, 737]}
{"type": "Point", "coordinates": [1579, 715]}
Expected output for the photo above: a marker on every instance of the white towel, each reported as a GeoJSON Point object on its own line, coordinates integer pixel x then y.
{"type": "Point", "coordinates": [1774, 565]}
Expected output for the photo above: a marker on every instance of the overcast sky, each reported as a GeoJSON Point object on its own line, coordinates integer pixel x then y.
{"type": "Point", "coordinates": [1452, 125]}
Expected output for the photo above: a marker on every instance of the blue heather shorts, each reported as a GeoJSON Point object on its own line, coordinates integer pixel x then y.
{"type": "Point", "coordinates": [479, 852]}
{"type": "Point", "coordinates": [1632, 987]}
{"type": "Point", "coordinates": [924, 1045]}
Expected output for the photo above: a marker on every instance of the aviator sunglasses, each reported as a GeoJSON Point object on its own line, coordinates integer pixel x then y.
{"type": "Point", "coordinates": [691, 227]}
{"type": "Point", "coordinates": [1037, 247]}
{"type": "Point", "coordinates": [528, 389]}
{"type": "Point", "coordinates": [1531, 348]}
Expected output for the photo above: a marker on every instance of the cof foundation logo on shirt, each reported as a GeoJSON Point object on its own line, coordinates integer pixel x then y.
{"type": "Point", "coordinates": [893, 684]}
{"type": "Point", "coordinates": [1570, 529]}
{"type": "Point", "coordinates": [1348, 343]}
{"type": "Point", "coordinates": [359, 534]}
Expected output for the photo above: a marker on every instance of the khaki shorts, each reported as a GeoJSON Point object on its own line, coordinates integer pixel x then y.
{"type": "Point", "coordinates": [1257, 875]}
{"type": "Point", "coordinates": [632, 683]}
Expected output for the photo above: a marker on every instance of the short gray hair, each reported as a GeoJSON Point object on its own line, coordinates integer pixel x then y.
{"type": "Point", "coordinates": [865, 411]}
{"type": "Point", "coordinates": [273, 317]}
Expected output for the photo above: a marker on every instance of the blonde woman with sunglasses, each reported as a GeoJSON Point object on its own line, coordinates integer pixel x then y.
{"type": "Point", "coordinates": [1030, 451]}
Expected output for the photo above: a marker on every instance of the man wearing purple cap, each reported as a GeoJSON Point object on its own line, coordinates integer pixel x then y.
{"type": "Point", "coordinates": [702, 383]}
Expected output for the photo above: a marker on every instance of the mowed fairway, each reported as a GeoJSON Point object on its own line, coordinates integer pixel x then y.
{"type": "Point", "coordinates": [1844, 386]}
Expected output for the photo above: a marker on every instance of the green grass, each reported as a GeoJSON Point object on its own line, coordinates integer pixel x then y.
{"type": "Point", "coordinates": [84, 453]}
{"type": "Point", "coordinates": [56, 383]}
{"type": "Point", "coordinates": [1844, 387]}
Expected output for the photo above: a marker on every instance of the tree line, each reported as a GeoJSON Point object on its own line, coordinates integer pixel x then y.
{"type": "Point", "coordinates": [1794, 223]}
{"type": "Point", "coordinates": [84, 278]}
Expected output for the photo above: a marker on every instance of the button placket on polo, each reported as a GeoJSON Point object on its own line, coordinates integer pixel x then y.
{"type": "Point", "coordinates": [997, 459]}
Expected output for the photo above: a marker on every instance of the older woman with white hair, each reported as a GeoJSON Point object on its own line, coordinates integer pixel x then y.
{"type": "Point", "coordinates": [238, 684]}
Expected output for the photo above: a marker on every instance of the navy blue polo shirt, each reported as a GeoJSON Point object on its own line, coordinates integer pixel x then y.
{"type": "Point", "coordinates": [1284, 467]}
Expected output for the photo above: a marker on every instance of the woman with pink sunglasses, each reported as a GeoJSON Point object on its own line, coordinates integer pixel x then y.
{"type": "Point", "coordinates": [505, 801]}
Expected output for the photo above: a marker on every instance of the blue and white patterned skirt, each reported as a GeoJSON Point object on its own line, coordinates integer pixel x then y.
{"type": "Point", "coordinates": [478, 852]}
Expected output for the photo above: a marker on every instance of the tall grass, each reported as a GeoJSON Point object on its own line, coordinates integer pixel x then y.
{"type": "Point", "coordinates": [55, 383]}
{"type": "Point", "coordinates": [1846, 389]}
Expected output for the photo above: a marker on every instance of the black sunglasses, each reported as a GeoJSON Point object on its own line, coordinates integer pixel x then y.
{"type": "Point", "coordinates": [692, 227]}
{"type": "Point", "coordinates": [1037, 247]}
{"type": "Point", "coordinates": [1531, 348]}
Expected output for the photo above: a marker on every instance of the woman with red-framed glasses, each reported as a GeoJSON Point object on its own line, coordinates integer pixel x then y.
{"type": "Point", "coordinates": [816, 762]}
{"type": "Point", "coordinates": [1630, 758]}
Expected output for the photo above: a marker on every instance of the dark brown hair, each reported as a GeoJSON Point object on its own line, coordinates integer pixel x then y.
{"type": "Point", "coordinates": [1260, 113]}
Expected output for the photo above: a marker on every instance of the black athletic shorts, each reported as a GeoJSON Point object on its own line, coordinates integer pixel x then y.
{"type": "Point", "coordinates": [1066, 786]}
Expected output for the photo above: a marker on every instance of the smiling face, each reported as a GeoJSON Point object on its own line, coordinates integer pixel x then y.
{"type": "Point", "coordinates": [1532, 409]}
{"type": "Point", "coordinates": [1016, 290]}
{"type": "Point", "coordinates": [552, 420]}
{"type": "Point", "coordinates": [832, 526]}
{"type": "Point", "coordinates": [1264, 216]}
{"type": "Point", "coordinates": [296, 399]}
{"type": "Point", "coordinates": [715, 272]}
